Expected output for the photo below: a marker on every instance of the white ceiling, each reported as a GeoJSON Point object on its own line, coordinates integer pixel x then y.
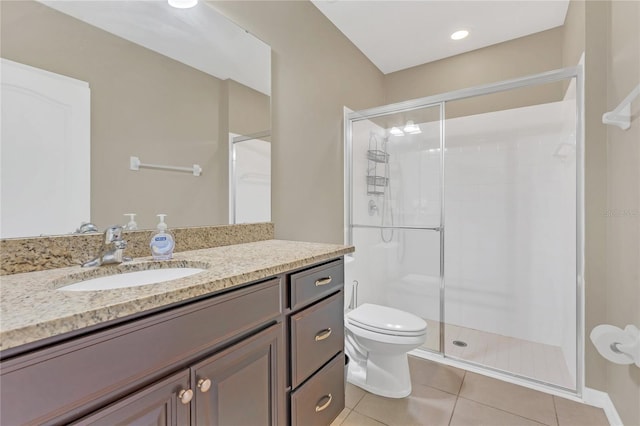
{"type": "Point", "coordinates": [199, 37]}
{"type": "Point", "coordinates": [396, 34]}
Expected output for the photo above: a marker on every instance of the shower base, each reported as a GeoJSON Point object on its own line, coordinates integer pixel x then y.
{"type": "Point", "coordinates": [531, 359]}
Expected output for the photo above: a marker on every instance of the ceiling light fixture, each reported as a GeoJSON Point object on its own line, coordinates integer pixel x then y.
{"type": "Point", "coordinates": [183, 4]}
{"type": "Point", "coordinates": [396, 132]}
{"type": "Point", "coordinates": [459, 35]}
{"type": "Point", "coordinates": [412, 128]}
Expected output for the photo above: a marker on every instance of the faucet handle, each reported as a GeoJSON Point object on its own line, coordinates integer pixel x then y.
{"type": "Point", "coordinates": [113, 233]}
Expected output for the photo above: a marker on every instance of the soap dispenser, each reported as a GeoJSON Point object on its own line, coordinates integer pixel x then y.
{"type": "Point", "coordinates": [132, 225]}
{"type": "Point", "coordinates": [162, 242]}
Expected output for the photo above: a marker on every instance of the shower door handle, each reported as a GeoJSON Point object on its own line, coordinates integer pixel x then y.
{"type": "Point", "coordinates": [323, 281]}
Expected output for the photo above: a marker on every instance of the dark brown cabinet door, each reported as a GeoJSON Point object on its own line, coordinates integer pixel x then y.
{"type": "Point", "coordinates": [241, 385]}
{"type": "Point", "coordinates": [165, 403]}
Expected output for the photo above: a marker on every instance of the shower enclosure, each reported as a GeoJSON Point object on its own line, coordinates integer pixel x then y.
{"type": "Point", "coordinates": [465, 209]}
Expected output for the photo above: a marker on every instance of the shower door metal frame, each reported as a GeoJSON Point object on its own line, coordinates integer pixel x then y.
{"type": "Point", "coordinates": [441, 99]}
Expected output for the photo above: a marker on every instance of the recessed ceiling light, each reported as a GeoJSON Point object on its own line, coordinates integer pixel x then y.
{"type": "Point", "coordinates": [183, 4]}
{"type": "Point", "coordinates": [396, 132]}
{"type": "Point", "coordinates": [459, 35]}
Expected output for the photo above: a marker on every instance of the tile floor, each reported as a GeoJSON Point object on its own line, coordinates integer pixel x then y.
{"type": "Point", "coordinates": [530, 359]}
{"type": "Point", "coordinates": [444, 395]}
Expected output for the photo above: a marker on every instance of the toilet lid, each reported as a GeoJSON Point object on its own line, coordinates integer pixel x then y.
{"type": "Point", "coordinates": [383, 319]}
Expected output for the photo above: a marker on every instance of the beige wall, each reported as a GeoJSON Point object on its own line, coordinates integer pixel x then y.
{"type": "Point", "coordinates": [623, 200]}
{"type": "Point", "coordinates": [516, 58]}
{"type": "Point", "coordinates": [607, 31]}
{"type": "Point", "coordinates": [142, 104]}
{"type": "Point", "coordinates": [249, 110]}
{"type": "Point", "coordinates": [573, 33]}
{"type": "Point", "coordinates": [315, 72]}
{"type": "Point", "coordinates": [585, 26]}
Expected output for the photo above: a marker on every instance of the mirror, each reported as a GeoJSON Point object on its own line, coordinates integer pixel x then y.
{"type": "Point", "coordinates": [170, 86]}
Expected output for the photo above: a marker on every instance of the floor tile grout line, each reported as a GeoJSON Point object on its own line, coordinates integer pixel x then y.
{"type": "Point", "coordinates": [455, 404]}
{"type": "Point", "coordinates": [369, 417]}
{"type": "Point", "coordinates": [464, 376]}
{"type": "Point", "coordinates": [456, 393]}
{"type": "Point", "coordinates": [345, 417]}
{"type": "Point", "coordinates": [364, 393]}
{"type": "Point", "coordinates": [505, 411]}
{"type": "Point", "coordinates": [438, 389]}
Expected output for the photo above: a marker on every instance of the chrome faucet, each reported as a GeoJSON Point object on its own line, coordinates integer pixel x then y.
{"type": "Point", "coordinates": [111, 250]}
{"type": "Point", "coordinates": [86, 227]}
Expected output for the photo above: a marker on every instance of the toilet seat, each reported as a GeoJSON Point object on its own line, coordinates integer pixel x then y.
{"type": "Point", "coordinates": [385, 320]}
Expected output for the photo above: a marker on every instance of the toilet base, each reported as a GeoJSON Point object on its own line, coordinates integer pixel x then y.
{"type": "Point", "coordinates": [384, 375]}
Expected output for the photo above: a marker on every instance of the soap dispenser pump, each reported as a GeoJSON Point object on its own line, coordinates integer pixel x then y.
{"type": "Point", "coordinates": [162, 242]}
{"type": "Point", "coordinates": [132, 225]}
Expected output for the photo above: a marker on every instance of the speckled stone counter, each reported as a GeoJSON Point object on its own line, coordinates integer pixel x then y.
{"type": "Point", "coordinates": [31, 307]}
{"type": "Point", "coordinates": [19, 255]}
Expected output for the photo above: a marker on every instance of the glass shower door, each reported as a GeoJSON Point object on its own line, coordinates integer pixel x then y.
{"type": "Point", "coordinates": [510, 191]}
{"type": "Point", "coordinates": [395, 210]}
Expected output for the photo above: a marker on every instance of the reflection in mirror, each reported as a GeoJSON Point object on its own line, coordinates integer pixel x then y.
{"type": "Point", "coordinates": [176, 106]}
{"type": "Point", "coordinates": [250, 178]}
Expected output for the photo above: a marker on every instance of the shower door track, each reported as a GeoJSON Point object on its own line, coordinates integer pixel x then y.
{"type": "Point", "coordinates": [440, 100]}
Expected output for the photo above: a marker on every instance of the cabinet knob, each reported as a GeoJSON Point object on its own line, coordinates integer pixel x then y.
{"type": "Point", "coordinates": [323, 334]}
{"type": "Point", "coordinates": [204, 385]}
{"type": "Point", "coordinates": [185, 395]}
{"type": "Point", "coordinates": [321, 407]}
{"type": "Point", "coordinates": [323, 281]}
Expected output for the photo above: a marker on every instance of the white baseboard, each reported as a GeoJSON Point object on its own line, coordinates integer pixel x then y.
{"type": "Point", "coordinates": [602, 400]}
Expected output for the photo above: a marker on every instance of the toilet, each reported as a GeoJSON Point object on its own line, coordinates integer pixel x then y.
{"type": "Point", "coordinates": [377, 339]}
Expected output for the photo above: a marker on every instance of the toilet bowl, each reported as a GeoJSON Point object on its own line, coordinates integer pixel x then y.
{"type": "Point", "coordinates": [377, 339]}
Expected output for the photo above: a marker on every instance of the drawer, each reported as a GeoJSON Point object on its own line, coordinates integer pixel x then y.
{"type": "Point", "coordinates": [321, 399]}
{"type": "Point", "coordinates": [115, 361]}
{"type": "Point", "coordinates": [314, 283]}
{"type": "Point", "coordinates": [317, 334]}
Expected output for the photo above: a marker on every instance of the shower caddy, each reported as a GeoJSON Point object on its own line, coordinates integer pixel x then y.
{"type": "Point", "coordinates": [377, 167]}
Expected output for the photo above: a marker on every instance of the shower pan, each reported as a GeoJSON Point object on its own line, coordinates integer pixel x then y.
{"type": "Point", "coordinates": [466, 209]}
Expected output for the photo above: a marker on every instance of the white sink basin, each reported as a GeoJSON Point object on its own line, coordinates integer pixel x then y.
{"type": "Point", "coordinates": [131, 279]}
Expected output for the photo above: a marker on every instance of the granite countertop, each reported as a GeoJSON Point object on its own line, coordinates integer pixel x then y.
{"type": "Point", "coordinates": [31, 309]}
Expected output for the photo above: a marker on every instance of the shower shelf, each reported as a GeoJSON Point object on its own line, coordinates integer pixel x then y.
{"type": "Point", "coordinates": [377, 180]}
{"type": "Point", "coordinates": [378, 165]}
{"type": "Point", "coordinates": [377, 156]}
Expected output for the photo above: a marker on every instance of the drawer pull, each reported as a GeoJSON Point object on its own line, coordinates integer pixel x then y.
{"type": "Point", "coordinates": [325, 405]}
{"type": "Point", "coordinates": [323, 334]}
{"type": "Point", "coordinates": [185, 396]}
{"type": "Point", "coordinates": [323, 281]}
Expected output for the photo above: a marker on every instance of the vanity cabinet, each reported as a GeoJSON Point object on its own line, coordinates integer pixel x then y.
{"type": "Point", "coordinates": [66, 381]}
{"type": "Point", "coordinates": [263, 353]}
{"type": "Point", "coordinates": [316, 341]}
{"type": "Point", "coordinates": [237, 386]}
